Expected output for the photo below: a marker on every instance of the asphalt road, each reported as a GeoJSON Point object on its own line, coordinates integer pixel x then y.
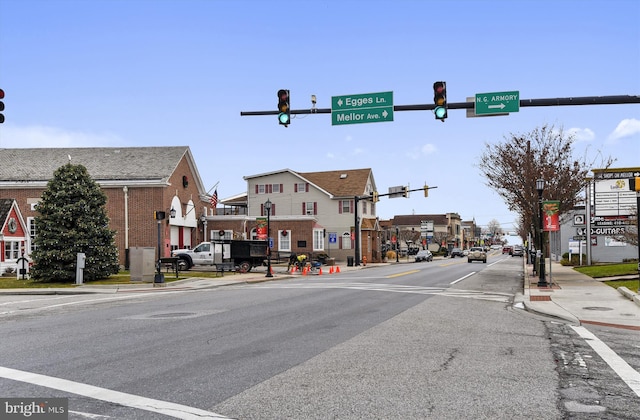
{"type": "Point", "coordinates": [411, 341]}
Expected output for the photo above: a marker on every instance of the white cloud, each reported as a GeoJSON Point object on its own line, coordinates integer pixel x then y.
{"type": "Point", "coordinates": [626, 128]}
{"type": "Point", "coordinates": [417, 153]}
{"type": "Point", "coordinates": [49, 137]}
{"type": "Point", "coordinates": [582, 134]}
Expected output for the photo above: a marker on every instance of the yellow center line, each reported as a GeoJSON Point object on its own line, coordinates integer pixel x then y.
{"type": "Point", "coordinates": [403, 274]}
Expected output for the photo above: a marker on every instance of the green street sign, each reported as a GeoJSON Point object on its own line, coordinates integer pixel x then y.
{"type": "Point", "coordinates": [497, 102]}
{"type": "Point", "coordinates": [362, 108]}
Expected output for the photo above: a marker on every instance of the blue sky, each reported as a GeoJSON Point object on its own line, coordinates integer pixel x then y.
{"type": "Point", "coordinates": [167, 72]}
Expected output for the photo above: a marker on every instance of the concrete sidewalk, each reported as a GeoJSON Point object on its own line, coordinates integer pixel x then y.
{"type": "Point", "coordinates": [580, 299]}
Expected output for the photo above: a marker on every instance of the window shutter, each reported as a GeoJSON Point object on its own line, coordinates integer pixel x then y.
{"type": "Point", "coordinates": [340, 242]}
{"type": "Point", "coordinates": [270, 188]}
{"type": "Point", "coordinates": [304, 208]}
{"type": "Point", "coordinates": [339, 206]}
{"type": "Point", "coordinates": [273, 209]}
{"type": "Point", "coordinates": [315, 207]}
{"type": "Point", "coordinates": [306, 188]}
{"type": "Point", "coordinates": [261, 209]}
{"type": "Point", "coordinates": [281, 188]}
{"type": "Point", "coordinates": [351, 206]}
{"type": "Point", "coordinates": [295, 187]}
{"type": "Point", "coordinates": [256, 188]}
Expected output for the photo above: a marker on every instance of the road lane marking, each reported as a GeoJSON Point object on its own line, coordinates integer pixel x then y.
{"type": "Point", "coordinates": [166, 408]}
{"type": "Point", "coordinates": [630, 376]}
{"type": "Point", "coordinates": [403, 274]}
{"type": "Point", "coordinates": [462, 278]}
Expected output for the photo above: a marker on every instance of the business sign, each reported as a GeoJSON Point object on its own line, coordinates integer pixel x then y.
{"type": "Point", "coordinates": [362, 108]}
{"type": "Point", "coordinates": [261, 228]}
{"type": "Point", "coordinates": [497, 102]}
{"type": "Point", "coordinates": [602, 231]}
{"type": "Point", "coordinates": [333, 237]}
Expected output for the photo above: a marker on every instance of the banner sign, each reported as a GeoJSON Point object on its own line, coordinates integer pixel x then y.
{"type": "Point", "coordinates": [551, 216]}
{"type": "Point", "coordinates": [261, 228]}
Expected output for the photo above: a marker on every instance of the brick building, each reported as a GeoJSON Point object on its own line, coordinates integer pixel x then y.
{"type": "Point", "coordinates": [136, 180]}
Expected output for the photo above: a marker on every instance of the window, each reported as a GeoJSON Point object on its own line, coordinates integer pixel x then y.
{"type": "Point", "coordinates": [318, 239]}
{"type": "Point", "coordinates": [309, 208]}
{"type": "Point", "coordinates": [269, 188]}
{"type": "Point", "coordinates": [284, 240]}
{"type": "Point", "coordinates": [301, 187]}
{"type": "Point", "coordinates": [11, 250]}
{"type": "Point", "coordinates": [344, 206]}
{"type": "Point", "coordinates": [346, 240]}
{"type": "Point", "coordinates": [31, 223]}
{"type": "Point", "coordinates": [221, 235]}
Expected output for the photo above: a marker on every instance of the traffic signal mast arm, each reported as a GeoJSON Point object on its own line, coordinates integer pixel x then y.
{"type": "Point", "coordinates": [584, 100]}
{"type": "Point", "coordinates": [393, 193]}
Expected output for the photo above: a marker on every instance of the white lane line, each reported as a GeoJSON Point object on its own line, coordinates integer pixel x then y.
{"type": "Point", "coordinates": [178, 411]}
{"type": "Point", "coordinates": [630, 376]}
{"type": "Point", "coordinates": [462, 278]}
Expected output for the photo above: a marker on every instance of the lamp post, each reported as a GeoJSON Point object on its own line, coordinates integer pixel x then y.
{"type": "Point", "coordinates": [542, 281]}
{"type": "Point", "coordinates": [267, 207]}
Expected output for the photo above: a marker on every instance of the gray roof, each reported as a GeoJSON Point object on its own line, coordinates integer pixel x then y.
{"type": "Point", "coordinates": [103, 163]}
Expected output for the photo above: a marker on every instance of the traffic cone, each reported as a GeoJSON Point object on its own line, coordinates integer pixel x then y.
{"type": "Point", "coordinates": [337, 269]}
{"type": "Point", "coordinates": [304, 271]}
{"type": "Point", "coordinates": [331, 270]}
{"type": "Point", "coordinates": [271, 270]}
{"type": "Point", "coordinates": [320, 271]}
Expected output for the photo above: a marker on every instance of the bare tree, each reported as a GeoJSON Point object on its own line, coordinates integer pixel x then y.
{"type": "Point", "coordinates": [511, 169]}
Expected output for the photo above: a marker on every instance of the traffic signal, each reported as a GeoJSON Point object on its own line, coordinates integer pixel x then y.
{"type": "Point", "coordinates": [405, 191]}
{"type": "Point", "coordinates": [426, 190]}
{"type": "Point", "coordinates": [159, 215]}
{"type": "Point", "coordinates": [634, 184]}
{"type": "Point", "coordinates": [1, 106]}
{"type": "Point", "coordinates": [375, 196]}
{"type": "Point", "coordinates": [440, 100]}
{"type": "Point", "coordinates": [284, 110]}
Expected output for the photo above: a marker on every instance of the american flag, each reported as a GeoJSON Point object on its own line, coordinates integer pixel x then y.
{"type": "Point", "coordinates": [214, 199]}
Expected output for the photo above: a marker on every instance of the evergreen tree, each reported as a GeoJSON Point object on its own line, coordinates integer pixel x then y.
{"type": "Point", "coordinates": [72, 219]}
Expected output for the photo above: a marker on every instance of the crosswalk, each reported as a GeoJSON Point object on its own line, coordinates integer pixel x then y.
{"type": "Point", "coordinates": [393, 288]}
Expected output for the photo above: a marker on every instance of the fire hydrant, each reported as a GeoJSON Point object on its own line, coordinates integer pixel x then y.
{"type": "Point", "coordinates": [364, 260]}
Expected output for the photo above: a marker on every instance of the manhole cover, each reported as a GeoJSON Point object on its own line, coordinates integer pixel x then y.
{"type": "Point", "coordinates": [172, 315]}
{"type": "Point", "coordinates": [597, 308]}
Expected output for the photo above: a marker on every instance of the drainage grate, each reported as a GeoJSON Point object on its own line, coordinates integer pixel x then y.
{"type": "Point", "coordinates": [597, 308]}
{"type": "Point", "coordinates": [540, 298]}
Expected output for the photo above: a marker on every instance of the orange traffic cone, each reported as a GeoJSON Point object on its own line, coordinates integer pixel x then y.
{"type": "Point", "coordinates": [337, 269]}
{"type": "Point", "coordinates": [320, 271]}
{"type": "Point", "coordinates": [304, 271]}
{"type": "Point", "coordinates": [331, 270]}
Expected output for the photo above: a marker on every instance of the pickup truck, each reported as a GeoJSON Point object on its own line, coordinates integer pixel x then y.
{"type": "Point", "coordinates": [240, 255]}
{"type": "Point", "coordinates": [477, 254]}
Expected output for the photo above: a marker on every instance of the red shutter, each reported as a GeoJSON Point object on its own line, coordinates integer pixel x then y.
{"type": "Point", "coordinates": [350, 206]}
{"type": "Point", "coordinates": [256, 188]}
{"type": "Point", "coordinates": [273, 209]}
{"type": "Point", "coordinates": [281, 188]}
{"type": "Point", "coordinates": [304, 208]}
{"type": "Point", "coordinates": [306, 189]}
{"type": "Point", "coordinates": [340, 242]}
{"type": "Point", "coordinates": [261, 209]}
{"type": "Point", "coordinates": [339, 206]}
{"type": "Point", "coordinates": [270, 188]}
{"type": "Point", "coordinates": [295, 187]}
{"type": "Point", "coordinates": [315, 207]}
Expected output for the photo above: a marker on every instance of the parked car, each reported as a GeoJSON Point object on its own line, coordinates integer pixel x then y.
{"type": "Point", "coordinates": [424, 255]}
{"type": "Point", "coordinates": [517, 251]}
{"type": "Point", "coordinates": [477, 254]}
{"type": "Point", "coordinates": [507, 249]}
{"type": "Point", "coordinates": [456, 252]}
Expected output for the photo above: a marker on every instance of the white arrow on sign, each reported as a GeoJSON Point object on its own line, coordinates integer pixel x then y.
{"type": "Point", "coordinates": [501, 106]}
{"type": "Point", "coordinates": [340, 102]}
{"type": "Point", "coordinates": [385, 113]}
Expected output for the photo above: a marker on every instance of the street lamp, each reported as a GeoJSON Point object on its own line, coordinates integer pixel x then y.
{"type": "Point", "coordinates": [267, 207]}
{"type": "Point", "coordinates": [542, 281]}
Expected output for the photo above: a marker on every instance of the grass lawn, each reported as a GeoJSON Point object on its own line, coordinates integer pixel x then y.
{"type": "Point", "coordinates": [124, 277]}
{"type": "Point", "coordinates": [611, 270]}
